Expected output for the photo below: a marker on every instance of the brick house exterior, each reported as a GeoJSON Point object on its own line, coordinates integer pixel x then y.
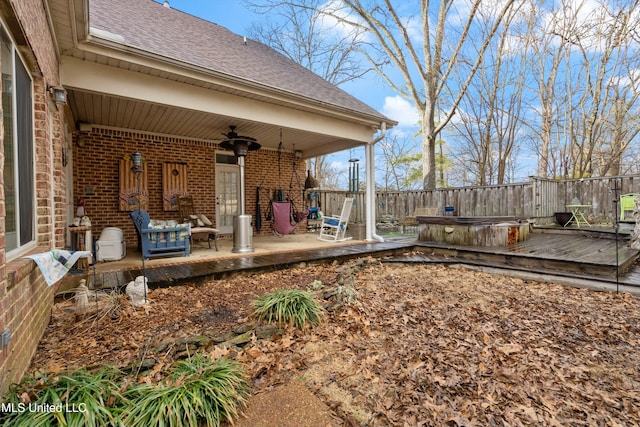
{"type": "Point", "coordinates": [25, 298]}
{"type": "Point", "coordinates": [139, 77]}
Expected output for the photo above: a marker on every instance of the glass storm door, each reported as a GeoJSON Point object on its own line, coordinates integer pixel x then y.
{"type": "Point", "coordinates": [227, 194]}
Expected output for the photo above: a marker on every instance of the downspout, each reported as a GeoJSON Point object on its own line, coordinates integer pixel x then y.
{"type": "Point", "coordinates": [370, 196]}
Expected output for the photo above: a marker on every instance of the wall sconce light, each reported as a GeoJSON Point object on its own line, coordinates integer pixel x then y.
{"type": "Point", "coordinates": [136, 158]}
{"type": "Point", "coordinates": [81, 139]}
{"type": "Point", "coordinates": [59, 94]}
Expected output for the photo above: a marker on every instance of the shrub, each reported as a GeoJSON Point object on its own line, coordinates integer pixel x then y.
{"type": "Point", "coordinates": [196, 391]}
{"type": "Point", "coordinates": [79, 398]}
{"type": "Point", "coordinates": [289, 306]}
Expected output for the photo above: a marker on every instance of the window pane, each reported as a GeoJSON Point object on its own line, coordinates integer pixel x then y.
{"type": "Point", "coordinates": [18, 143]}
{"type": "Point", "coordinates": [8, 142]}
{"type": "Point", "coordinates": [24, 113]}
{"type": "Point", "coordinates": [226, 158]}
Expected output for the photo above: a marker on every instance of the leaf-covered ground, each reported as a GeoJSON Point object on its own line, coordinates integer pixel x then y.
{"type": "Point", "coordinates": [422, 345]}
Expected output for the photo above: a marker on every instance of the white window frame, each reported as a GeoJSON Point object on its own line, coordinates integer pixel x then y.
{"type": "Point", "coordinates": [20, 247]}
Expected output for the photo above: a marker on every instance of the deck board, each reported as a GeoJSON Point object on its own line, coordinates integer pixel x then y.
{"type": "Point", "coordinates": [565, 254]}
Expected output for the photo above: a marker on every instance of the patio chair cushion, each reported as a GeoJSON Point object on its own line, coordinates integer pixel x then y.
{"type": "Point", "coordinates": [163, 224]}
{"type": "Point", "coordinates": [206, 222]}
{"type": "Point", "coordinates": [195, 221]}
{"type": "Point", "coordinates": [199, 220]}
{"type": "Point", "coordinates": [332, 221]}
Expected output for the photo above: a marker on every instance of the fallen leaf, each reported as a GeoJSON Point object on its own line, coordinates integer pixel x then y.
{"type": "Point", "coordinates": [510, 348]}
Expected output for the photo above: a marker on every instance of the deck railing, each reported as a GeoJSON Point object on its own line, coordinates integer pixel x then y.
{"type": "Point", "coordinates": [537, 199]}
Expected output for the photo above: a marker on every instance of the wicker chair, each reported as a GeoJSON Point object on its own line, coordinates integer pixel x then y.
{"type": "Point", "coordinates": [200, 224]}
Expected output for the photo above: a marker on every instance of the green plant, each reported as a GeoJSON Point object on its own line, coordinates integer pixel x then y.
{"type": "Point", "coordinates": [197, 390]}
{"type": "Point", "coordinates": [289, 306]}
{"type": "Point", "coordinates": [79, 398]}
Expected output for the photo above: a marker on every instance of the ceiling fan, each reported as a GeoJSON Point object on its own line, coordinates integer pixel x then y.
{"type": "Point", "coordinates": [240, 144]}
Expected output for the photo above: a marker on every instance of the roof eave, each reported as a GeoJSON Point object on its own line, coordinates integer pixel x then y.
{"type": "Point", "coordinates": [110, 46]}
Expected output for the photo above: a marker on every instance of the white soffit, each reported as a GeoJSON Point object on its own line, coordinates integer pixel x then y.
{"type": "Point", "coordinates": [97, 78]}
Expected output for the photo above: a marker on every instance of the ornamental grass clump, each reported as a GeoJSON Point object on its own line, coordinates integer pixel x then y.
{"type": "Point", "coordinates": [289, 306]}
{"type": "Point", "coordinates": [78, 398]}
{"type": "Point", "coordinates": [198, 391]}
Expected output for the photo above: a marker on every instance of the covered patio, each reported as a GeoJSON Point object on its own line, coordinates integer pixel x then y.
{"type": "Point", "coordinates": [145, 78]}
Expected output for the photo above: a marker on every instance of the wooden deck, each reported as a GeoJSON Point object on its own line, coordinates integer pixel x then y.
{"type": "Point", "coordinates": [565, 255]}
{"type": "Point", "coordinates": [581, 255]}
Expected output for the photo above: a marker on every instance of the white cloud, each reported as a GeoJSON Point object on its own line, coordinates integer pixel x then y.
{"type": "Point", "coordinates": [415, 29]}
{"type": "Point", "coordinates": [336, 18]}
{"type": "Point", "coordinates": [399, 109]}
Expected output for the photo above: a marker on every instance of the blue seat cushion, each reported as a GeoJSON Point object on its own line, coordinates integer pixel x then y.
{"type": "Point", "coordinates": [331, 221]}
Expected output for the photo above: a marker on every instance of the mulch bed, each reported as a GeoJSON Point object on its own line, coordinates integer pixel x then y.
{"type": "Point", "coordinates": [417, 345]}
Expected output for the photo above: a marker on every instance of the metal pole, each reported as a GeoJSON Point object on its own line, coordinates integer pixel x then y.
{"type": "Point", "coordinates": [616, 203]}
{"type": "Point", "coordinates": [241, 165]}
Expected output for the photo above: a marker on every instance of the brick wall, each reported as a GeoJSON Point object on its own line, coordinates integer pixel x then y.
{"type": "Point", "coordinates": [25, 304]}
{"type": "Point", "coordinates": [32, 19]}
{"type": "Point", "coordinates": [95, 175]}
{"type": "Point", "coordinates": [25, 298]}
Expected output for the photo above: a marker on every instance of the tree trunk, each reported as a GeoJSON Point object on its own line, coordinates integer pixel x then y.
{"type": "Point", "coordinates": [428, 150]}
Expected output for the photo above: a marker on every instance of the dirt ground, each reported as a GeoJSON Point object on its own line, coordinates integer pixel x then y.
{"type": "Point", "coordinates": [412, 345]}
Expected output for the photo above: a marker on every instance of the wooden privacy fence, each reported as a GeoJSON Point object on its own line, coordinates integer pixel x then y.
{"type": "Point", "coordinates": [536, 199]}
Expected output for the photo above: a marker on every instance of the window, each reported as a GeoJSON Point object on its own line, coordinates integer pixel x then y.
{"type": "Point", "coordinates": [19, 181]}
{"type": "Point", "coordinates": [226, 158]}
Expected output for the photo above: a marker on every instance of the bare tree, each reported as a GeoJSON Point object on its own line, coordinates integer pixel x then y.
{"type": "Point", "coordinates": [301, 32]}
{"type": "Point", "coordinates": [421, 60]}
{"type": "Point", "coordinates": [566, 69]}
{"type": "Point", "coordinates": [583, 62]}
{"type": "Point", "coordinates": [425, 62]}
{"type": "Point", "coordinates": [327, 174]}
{"type": "Point", "coordinates": [601, 111]}
{"type": "Point", "coordinates": [490, 112]}
{"type": "Point", "coordinates": [401, 163]}
{"type": "Point", "coordinates": [621, 126]}
{"type": "Point", "coordinates": [545, 52]}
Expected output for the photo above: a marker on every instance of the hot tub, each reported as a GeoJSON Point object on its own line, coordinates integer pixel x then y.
{"type": "Point", "coordinates": [472, 231]}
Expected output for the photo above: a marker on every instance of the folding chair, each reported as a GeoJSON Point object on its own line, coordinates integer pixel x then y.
{"type": "Point", "coordinates": [333, 228]}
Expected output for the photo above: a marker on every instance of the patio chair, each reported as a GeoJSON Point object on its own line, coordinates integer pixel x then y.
{"type": "Point", "coordinates": [201, 226]}
{"type": "Point", "coordinates": [158, 238]}
{"type": "Point", "coordinates": [334, 227]}
{"type": "Point", "coordinates": [627, 205]}
{"type": "Point", "coordinates": [282, 218]}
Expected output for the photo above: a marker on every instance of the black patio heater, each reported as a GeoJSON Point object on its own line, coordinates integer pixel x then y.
{"type": "Point", "coordinates": [242, 233]}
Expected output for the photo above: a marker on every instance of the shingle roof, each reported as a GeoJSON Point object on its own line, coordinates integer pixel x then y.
{"type": "Point", "coordinates": [151, 27]}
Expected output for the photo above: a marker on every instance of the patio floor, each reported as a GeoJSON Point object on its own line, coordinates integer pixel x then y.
{"type": "Point", "coordinates": [270, 253]}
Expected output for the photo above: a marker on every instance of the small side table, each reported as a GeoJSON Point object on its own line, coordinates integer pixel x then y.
{"type": "Point", "coordinates": [79, 241]}
{"type": "Point", "coordinates": [577, 214]}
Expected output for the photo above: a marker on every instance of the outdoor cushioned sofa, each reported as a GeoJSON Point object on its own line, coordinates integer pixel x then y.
{"type": "Point", "coordinates": [159, 238]}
